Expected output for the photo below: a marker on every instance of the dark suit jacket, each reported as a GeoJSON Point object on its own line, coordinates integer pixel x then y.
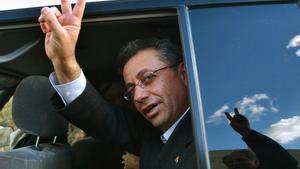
{"type": "Point", "coordinates": [108, 124]}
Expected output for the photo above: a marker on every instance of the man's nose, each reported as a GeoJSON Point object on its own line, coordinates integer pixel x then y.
{"type": "Point", "coordinates": [140, 94]}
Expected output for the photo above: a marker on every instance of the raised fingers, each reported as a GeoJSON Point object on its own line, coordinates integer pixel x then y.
{"type": "Point", "coordinates": [236, 111]}
{"type": "Point", "coordinates": [79, 8]}
{"type": "Point", "coordinates": [66, 7]}
{"type": "Point", "coordinates": [228, 116]}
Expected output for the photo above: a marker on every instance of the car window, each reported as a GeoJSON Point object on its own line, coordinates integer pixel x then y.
{"type": "Point", "coordinates": [247, 57]}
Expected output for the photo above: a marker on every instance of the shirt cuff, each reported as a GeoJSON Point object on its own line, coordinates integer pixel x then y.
{"type": "Point", "coordinates": [68, 92]}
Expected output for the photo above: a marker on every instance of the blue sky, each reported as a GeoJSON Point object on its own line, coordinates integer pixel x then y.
{"type": "Point", "coordinates": [247, 58]}
{"type": "Point", "coordinates": [265, 89]}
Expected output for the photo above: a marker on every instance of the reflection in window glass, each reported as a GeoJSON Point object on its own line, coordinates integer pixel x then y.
{"type": "Point", "coordinates": [247, 58]}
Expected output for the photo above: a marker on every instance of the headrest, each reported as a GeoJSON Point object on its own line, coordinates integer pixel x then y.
{"type": "Point", "coordinates": [35, 108]}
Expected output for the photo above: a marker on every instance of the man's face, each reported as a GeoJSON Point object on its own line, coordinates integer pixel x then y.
{"type": "Point", "coordinates": [237, 160]}
{"type": "Point", "coordinates": [163, 98]}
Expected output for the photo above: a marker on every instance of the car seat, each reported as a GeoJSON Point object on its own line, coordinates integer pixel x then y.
{"type": "Point", "coordinates": [34, 109]}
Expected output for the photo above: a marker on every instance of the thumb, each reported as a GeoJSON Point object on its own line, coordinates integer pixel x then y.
{"type": "Point", "coordinates": [50, 17]}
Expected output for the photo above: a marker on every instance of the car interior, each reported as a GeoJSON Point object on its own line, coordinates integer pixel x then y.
{"type": "Point", "coordinates": [40, 125]}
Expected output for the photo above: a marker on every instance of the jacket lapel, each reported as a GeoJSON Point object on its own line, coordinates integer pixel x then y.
{"type": "Point", "coordinates": [176, 149]}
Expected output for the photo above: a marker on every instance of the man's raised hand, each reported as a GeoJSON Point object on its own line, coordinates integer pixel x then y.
{"type": "Point", "coordinates": [62, 31]}
{"type": "Point", "coordinates": [239, 123]}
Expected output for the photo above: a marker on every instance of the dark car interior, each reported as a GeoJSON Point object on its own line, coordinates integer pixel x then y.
{"type": "Point", "coordinates": [22, 49]}
{"type": "Point", "coordinates": [43, 143]}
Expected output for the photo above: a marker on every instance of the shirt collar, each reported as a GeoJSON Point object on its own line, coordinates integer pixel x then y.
{"type": "Point", "coordinates": [165, 137]}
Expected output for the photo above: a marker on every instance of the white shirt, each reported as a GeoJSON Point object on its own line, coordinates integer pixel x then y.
{"type": "Point", "coordinates": [165, 137]}
{"type": "Point", "coordinates": [68, 92]}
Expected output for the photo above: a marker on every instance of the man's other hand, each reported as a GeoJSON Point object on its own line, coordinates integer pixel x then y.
{"type": "Point", "coordinates": [239, 123]}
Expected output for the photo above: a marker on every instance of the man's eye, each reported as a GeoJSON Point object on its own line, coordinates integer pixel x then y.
{"type": "Point", "coordinates": [130, 89]}
{"type": "Point", "coordinates": [148, 78]}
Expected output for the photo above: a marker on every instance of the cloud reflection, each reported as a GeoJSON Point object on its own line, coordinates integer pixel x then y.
{"type": "Point", "coordinates": [218, 115]}
{"type": "Point", "coordinates": [285, 130]}
{"type": "Point", "coordinates": [252, 106]}
{"type": "Point", "coordinates": [295, 42]}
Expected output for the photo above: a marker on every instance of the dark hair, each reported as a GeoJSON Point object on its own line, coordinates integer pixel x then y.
{"type": "Point", "coordinates": [169, 53]}
{"type": "Point", "coordinates": [248, 154]}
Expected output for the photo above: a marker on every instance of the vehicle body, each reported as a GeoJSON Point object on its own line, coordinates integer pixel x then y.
{"type": "Point", "coordinates": [227, 46]}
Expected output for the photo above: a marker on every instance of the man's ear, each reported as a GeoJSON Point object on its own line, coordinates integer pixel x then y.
{"type": "Point", "coordinates": [182, 72]}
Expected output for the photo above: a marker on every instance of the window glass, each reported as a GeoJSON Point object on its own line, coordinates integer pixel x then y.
{"type": "Point", "coordinates": [247, 58]}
